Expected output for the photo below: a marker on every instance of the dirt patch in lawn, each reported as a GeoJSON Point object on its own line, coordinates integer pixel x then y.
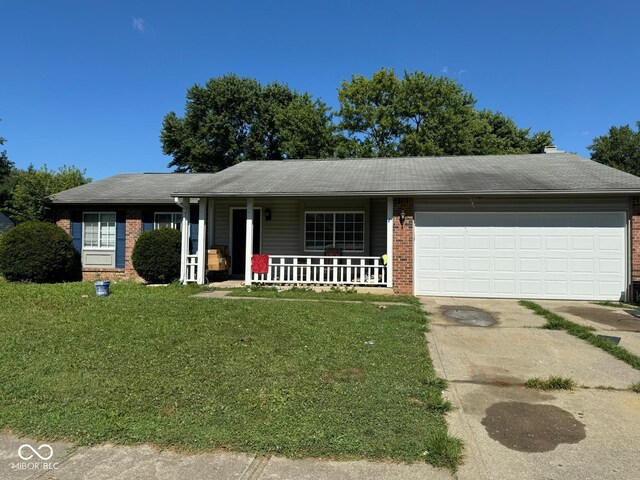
{"type": "Point", "coordinates": [618, 319]}
{"type": "Point", "coordinates": [529, 427]}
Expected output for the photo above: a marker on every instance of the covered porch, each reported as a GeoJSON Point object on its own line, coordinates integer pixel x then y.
{"type": "Point", "coordinates": [300, 241]}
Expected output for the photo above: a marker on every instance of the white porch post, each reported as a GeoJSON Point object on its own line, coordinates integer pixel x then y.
{"type": "Point", "coordinates": [210, 226]}
{"type": "Point", "coordinates": [202, 240]}
{"type": "Point", "coordinates": [390, 242]}
{"type": "Point", "coordinates": [249, 243]}
{"type": "Point", "coordinates": [184, 250]}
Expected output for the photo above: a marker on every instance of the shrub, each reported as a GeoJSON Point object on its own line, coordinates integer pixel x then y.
{"type": "Point", "coordinates": [156, 255]}
{"type": "Point", "coordinates": [38, 252]}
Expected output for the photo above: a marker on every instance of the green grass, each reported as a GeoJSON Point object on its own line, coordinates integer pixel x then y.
{"type": "Point", "coordinates": [551, 383]}
{"type": "Point", "coordinates": [309, 294]}
{"type": "Point", "coordinates": [158, 366]}
{"type": "Point", "coordinates": [608, 303]}
{"type": "Point", "coordinates": [556, 322]}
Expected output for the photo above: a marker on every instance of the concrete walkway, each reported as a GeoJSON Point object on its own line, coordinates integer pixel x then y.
{"type": "Point", "coordinates": [513, 432]}
{"type": "Point", "coordinates": [109, 462]}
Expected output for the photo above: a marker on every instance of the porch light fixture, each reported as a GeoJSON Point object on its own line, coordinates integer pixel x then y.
{"type": "Point", "coordinates": [267, 214]}
{"type": "Point", "coordinates": [403, 216]}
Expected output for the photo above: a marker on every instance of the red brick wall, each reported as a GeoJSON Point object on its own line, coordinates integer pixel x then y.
{"type": "Point", "coordinates": [635, 242]}
{"type": "Point", "coordinates": [403, 246]}
{"type": "Point", "coordinates": [133, 231]}
{"type": "Point", "coordinates": [62, 217]}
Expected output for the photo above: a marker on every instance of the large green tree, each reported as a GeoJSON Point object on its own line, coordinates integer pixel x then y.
{"type": "Point", "coordinates": [231, 119]}
{"type": "Point", "coordinates": [27, 201]}
{"type": "Point", "coordinates": [619, 148]}
{"type": "Point", "coordinates": [422, 114]}
{"type": "Point", "coordinates": [6, 168]}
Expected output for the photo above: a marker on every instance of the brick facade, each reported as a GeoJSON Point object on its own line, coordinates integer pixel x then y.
{"type": "Point", "coordinates": [62, 218]}
{"type": "Point", "coordinates": [635, 244]}
{"type": "Point", "coordinates": [133, 220]}
{"type": "Point", "coordinates": [403, 246]}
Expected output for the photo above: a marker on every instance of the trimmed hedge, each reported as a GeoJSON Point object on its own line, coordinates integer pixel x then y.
{"type": "Point", "coordinates": [38, 252]}
{"type": "Point", "coordinates": [156, 255]}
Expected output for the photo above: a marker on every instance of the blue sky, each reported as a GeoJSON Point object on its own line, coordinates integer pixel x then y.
{"type": "Point", "coordinates": [88, 82]}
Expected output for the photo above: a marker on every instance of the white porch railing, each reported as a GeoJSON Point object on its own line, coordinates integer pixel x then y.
{"type": "Point", "coordinates": [192, 269]}
{"type": "Point", "coordinates": [320, 270]}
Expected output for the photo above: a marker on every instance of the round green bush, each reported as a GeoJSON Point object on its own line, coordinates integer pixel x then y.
{"type": "Point", "coordinates": [39, 252]}
{"type": "Point", "coordinates": [156, 255]}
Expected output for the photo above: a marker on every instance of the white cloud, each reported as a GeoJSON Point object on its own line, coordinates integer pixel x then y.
{"type": "Point", "coordinates": [139, 24]}
{"type": "Point", "coordinates": [445, 70]}
{"type": "Point", "coordinates": [584, 132]}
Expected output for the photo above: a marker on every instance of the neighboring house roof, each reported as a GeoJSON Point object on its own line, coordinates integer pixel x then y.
{"type": "Point", "coordinates": [536, 174]}
{"type": "Point", "coordinates": [5, 223]}
{"type": "Point", "coordinates": [128, 188]}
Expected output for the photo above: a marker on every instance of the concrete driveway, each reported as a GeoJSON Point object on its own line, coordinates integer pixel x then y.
{"type": "Point", "coordinates": [616, 322]}
{"type": "Point", "coordinates": [514, 432]}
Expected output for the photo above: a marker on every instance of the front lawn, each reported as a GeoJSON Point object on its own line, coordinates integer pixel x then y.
{"type": "Point", "coordinates": [156, 365]}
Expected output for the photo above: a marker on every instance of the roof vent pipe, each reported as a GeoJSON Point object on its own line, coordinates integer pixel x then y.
{"type": "Point", "coordinates": [552, 149]}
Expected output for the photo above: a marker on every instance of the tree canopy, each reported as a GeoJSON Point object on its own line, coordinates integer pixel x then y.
{"type": "Point", "coordinates": [619, 148]}
{"type": "Point", "coordinates": [27, 199]}
{"type": "Point", "coordinates": [232, 119]}
{"type": "Point", "coordinates": [6, 167]}
{"type": "Point", "coordinates": [422, 114]}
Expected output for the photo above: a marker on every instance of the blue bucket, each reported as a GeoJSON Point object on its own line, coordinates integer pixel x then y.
{"type": "Point", "coordinates": [102, 288]}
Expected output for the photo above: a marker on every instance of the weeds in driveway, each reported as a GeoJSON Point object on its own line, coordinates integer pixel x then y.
{"type": "Point", "coordinates": [159, 366]}
{"type": "Point", "coordinates": [551, 383]}
{"type": "Point", "coordinates": [556, 322]}
{"type": "Point", "coordinates": [635, 387]}
{"type": "Point", "coordinates": [608, 303]}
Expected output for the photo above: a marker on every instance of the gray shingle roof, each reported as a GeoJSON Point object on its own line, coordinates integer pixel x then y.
{"type": "Point", "coordinates": [129, 188]}
{"type": "Point", "coordinates": [554, 173]}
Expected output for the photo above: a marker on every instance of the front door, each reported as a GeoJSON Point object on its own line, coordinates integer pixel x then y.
{"type": "Point", "coordinates": [239, 238]}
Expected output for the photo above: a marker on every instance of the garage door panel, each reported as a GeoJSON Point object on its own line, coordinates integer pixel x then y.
{"type": "Point", "coordinates": [532, 255]}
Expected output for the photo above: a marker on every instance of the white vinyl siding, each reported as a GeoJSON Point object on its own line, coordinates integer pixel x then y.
{"type": "Point", "coordinates": [99, 230]}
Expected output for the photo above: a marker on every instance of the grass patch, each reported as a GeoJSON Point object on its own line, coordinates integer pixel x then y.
{"type": "Point", "coordinates": [551, 383]}
{"type": "Point", "coordinates": [556, 322]}
{"type": "Point", "coordinates": [608, 303]}
{"type": "Point", "coordinates": [635, 387]}
{"type": "Point", "coordinates": [308, 294]}
{"type": "Point", "coordinates": [158, 366]}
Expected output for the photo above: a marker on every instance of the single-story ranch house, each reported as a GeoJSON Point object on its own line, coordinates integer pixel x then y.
{"type": "Point", "coordinates": [552, 225]}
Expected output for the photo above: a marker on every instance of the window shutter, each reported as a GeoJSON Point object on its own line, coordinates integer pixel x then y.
{"type": "Point", "coordinates": [147, 220]}
{"type": "Point", "coordinates": [193, 232]}
{"type": "Point", "coordinates": [76, 229]}
{"type": "Point", "coordinates": [121, 238]}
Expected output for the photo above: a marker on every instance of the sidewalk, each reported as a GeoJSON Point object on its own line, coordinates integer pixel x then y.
{"type": "Point", "coordinates": [109, 462]}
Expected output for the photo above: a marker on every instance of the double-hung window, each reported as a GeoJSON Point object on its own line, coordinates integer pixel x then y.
{"type": "Point", "coordinates": [343, 230]}
{"type": "Point", "coordinates": [167, 220]}
{"type": "Point", "coordinates": [99, 230]}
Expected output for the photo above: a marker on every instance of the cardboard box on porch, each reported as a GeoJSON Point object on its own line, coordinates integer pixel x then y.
{"type": "Point", "coordinates": [217, 259]}
{"type": "Point", "coordinates": [219, 249]}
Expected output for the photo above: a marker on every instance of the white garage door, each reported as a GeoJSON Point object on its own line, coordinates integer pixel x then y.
{"type": "Point", "coordinates": [521, 255]}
